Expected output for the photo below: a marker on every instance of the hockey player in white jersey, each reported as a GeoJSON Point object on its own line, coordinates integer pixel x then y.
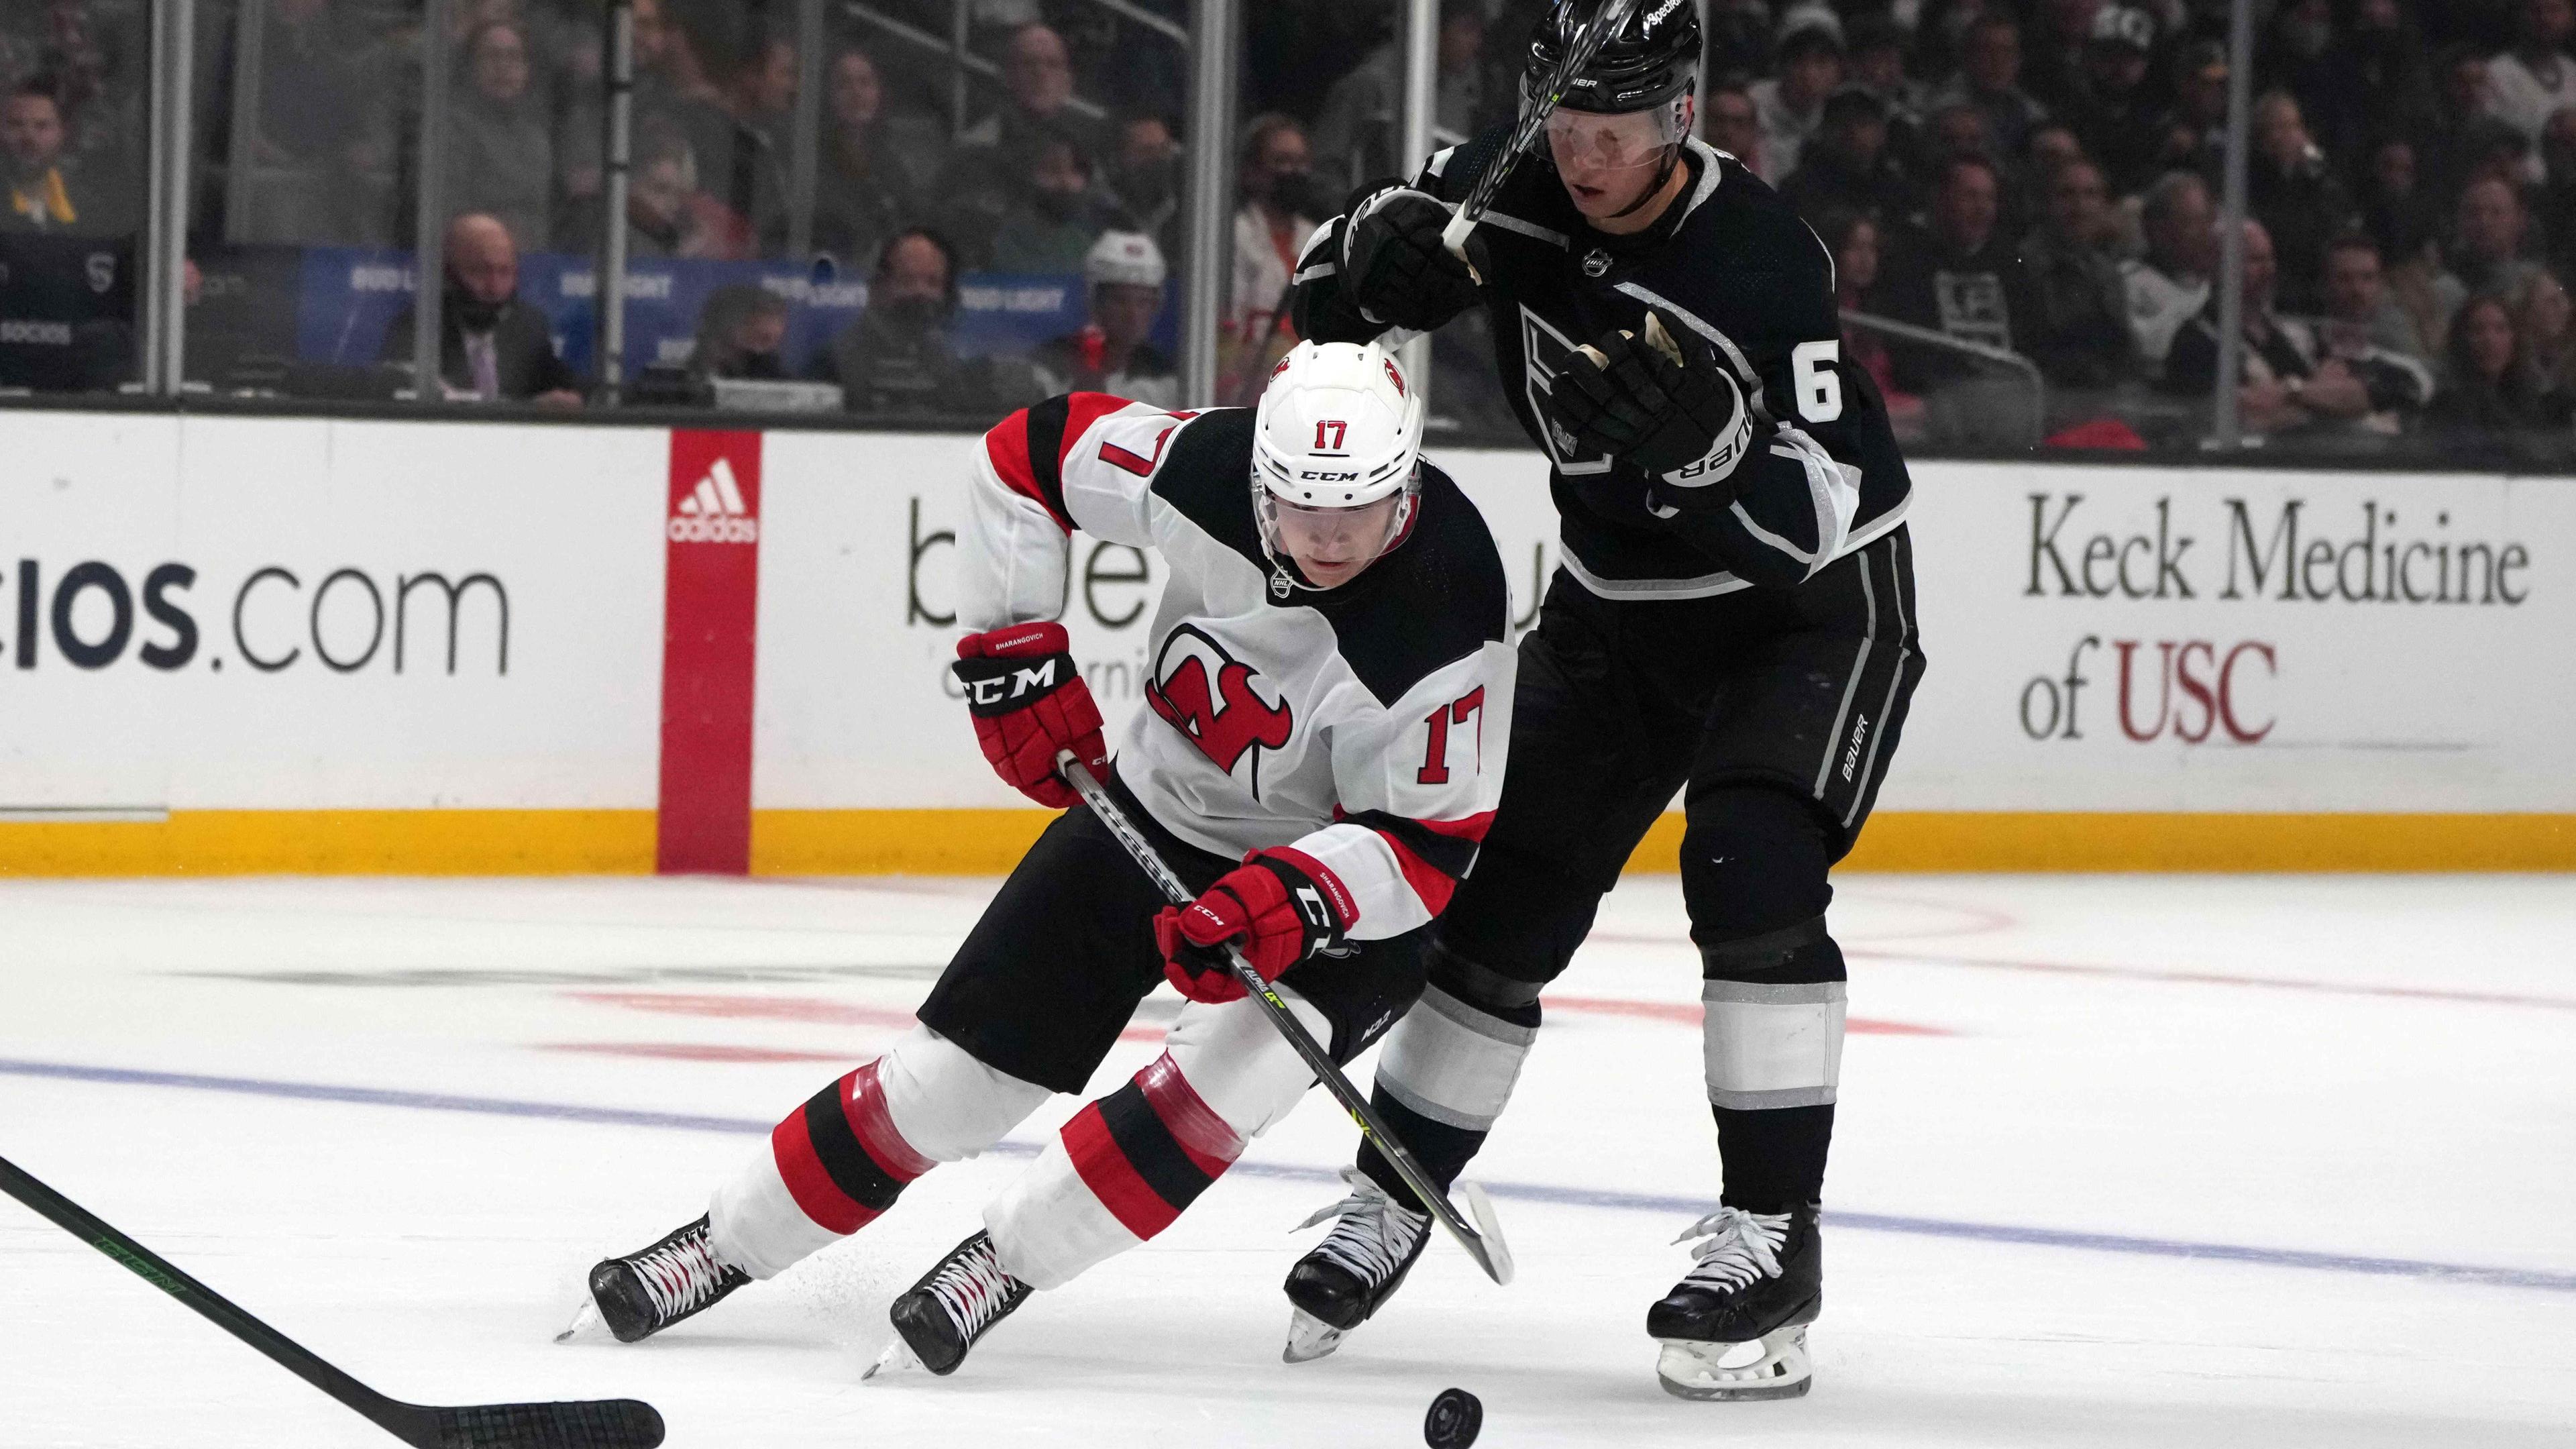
{"type": "Point", "coordinates": [1329, 702]}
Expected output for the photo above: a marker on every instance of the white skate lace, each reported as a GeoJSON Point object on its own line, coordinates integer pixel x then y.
{"type": "Point", "coordinates": [1742, 1248]}
{"type": "Point", "coordinates": [973, 1288]}
{"type": "Point", "coordinates": [680, 1276]}
{"type": "Point", "coordinates": [1374, 1235]}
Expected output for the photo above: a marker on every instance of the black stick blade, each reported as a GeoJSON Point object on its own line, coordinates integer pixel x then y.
{"type": "Point", "coordinates": [579, 1424]}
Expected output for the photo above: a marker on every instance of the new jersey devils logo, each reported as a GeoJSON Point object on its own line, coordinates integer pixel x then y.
{"type": "Point", "coordinates": [1201, 691]}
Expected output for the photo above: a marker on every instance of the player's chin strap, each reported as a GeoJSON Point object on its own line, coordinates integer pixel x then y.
{"type": "Point", "coordinates": [1663, 178]}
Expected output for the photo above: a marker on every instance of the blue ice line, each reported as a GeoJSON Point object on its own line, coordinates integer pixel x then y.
{"type": "Point", "coordinates": [2554, 1282]}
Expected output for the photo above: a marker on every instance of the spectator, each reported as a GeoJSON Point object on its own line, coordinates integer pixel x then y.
{"type": "Point", "coordinates": [740, 331]}
{"type": "Point", "coordinates": [1279, 208]}
{"type": "Point", "coordinates": [2489, 387]}
{"type": "Point", "coordinates": [1739, 38]}
{"type": "Point", "coordinates": [1877, 65]}
{"type": "Point", "coordinates": [1958, 128]}
{"type": "Point", "coordinates": [2541, 318]}
{"type": "Point", "coordinates": [1789, 107]}
{"type": "Point", "coordinates": [42, 197]}
{"type": "Point", "coordinates": [2112, 114]}
{"type": "Point", "coordinates": [2372, 78]}
{"type": "Point", "coordinates": [2372, 336]}
{"type": "Point", "coordinates": [1733, 125]}
{"type": "Point", "coordinates": [2289, 189]}
{"type": "Point", "coordinates": [1037, 82]}
{"type": "Point", "coordinates": [1852, 238]}
{"type": "Point", "coordinates": [667, 215]}
{"type": "Point", "coordinates": [896, 357]}
{"type": "Point", "coordinates": [2485, 256]}
{"type": "Point", "coordinates": [2284, 385]}
{"type": "Point", "coordinates": [759, 104]}
{"type": "Point", "coordinates": [1847, 166]}
{"type": "Point", "coordinates": [867, 185]}
{"type": "Point", "coordinates": [2534, 80]}
{"type": "Point", "coordinates": [1958, 276]}
{"type": "Point", "coordinates": [2394, 207]}
{"type": "Point", "coordinates": [2195, 133]}
{"type": "Point", "coordinates": [1125, 272]}
{"type": "Point", "coordinates": [1145, 176]}
{"type": "Point", "coordinates": [2556, 199]}
{"type": "Point", "coordinates": [2170, 284]}
{"type": "Point", "coordinates": [2459, 139]}
{"type": "Point", "coordinates": [492, 346]}
{"type": "Point", "coordinates": [320, 159]}
{"type": "Point", "coordinates": [1990, 79]}
{"type": "Point", "coordinates": [1358, 128]}
{"type": "Point", "coordinates": [2082, 337]}
{"type": "Point", "coordinates": [1057, 216]}
{"type": "Point", "coordinates": [2058, 72]}
{"type": "Point", "coordinates": [500, 157]}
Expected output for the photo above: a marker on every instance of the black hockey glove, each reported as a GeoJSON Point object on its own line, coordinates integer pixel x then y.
{"type": "Point", "coordinates": [1665, 402]}
{"type": "Point", "coordinates": [1393, 266]}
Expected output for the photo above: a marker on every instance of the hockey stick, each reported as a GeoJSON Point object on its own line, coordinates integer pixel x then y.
{"type": "Point", "coordinates": [1484, 1241]}
{"type": "Point", "coordinates": [1587, 44]}
{"type": "Point", "coordinates": [582, 1424]}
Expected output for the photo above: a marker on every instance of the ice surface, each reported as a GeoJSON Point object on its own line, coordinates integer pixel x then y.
{"type": "Point", "coordinates": [2122, 1161]}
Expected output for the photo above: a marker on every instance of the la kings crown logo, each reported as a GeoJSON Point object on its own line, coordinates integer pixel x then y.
{"type": "Point", "coordinates": [1203, 692]}
{"type": "Point", "coordinates": [714, 511]}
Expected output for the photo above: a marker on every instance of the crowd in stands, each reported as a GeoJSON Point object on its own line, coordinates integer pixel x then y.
{"type": "Point", "coordinates": [2034, 180]}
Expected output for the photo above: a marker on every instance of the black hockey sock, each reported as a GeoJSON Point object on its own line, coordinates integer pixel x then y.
{"type": "Point", "coordinates": [1444, 1151]}
{"type": "Point", "coordinates": [1774, 1158]}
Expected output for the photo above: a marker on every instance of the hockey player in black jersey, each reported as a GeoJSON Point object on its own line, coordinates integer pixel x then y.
{"type": "Point", "coordinates": [1330, 696]}
{"type": "Point", "coordinates": [1734, 620]}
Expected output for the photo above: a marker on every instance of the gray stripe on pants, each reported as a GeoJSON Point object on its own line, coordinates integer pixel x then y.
{"type": "Point", "coordinates": [1766, 1101]}
{"type": "Point", "coordinates": [1802, 993]}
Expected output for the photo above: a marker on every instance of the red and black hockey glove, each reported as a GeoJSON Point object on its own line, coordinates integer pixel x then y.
{"type": "Point", "coordinates": [1275, 910]}
{"type": "Point", "coordinates": [1665, 402]}
{"type": "Point", "coordinates": [1028, 703]}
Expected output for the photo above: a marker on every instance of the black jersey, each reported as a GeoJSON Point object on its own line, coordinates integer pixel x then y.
{"type": "Point", "coordinates": [1730, 261]}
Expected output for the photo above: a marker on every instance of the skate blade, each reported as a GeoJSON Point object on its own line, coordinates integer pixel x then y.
{"type": "Point", "coordinates": [1309, 1338]}
{"type": "Point", "coordinates": [1726, 1372]}
{"type": "Point", "coordinates": [897, 1360]}
{"type": "Point", "coordinates": [586, 1324]}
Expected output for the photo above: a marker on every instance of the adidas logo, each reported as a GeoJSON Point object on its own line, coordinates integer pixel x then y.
{"type": "Point", "coordinates": [714, 512]}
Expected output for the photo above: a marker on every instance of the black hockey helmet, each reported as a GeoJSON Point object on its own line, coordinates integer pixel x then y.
{"type": "Point", "coordinates": [1652, 61]}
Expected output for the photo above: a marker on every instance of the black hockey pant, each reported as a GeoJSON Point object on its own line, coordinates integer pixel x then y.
{"type": "Point", "coordinates": [1775, 713]}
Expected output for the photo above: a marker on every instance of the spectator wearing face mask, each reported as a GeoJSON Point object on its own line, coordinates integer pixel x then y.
{"type": "Point", "coordinates": [896, 358]}
{"type": "Point", "coordinates": [1125, 273]}
{"type": "Point", "coordinates": [1058, 214]}
{"type": "Point", "coordinates": [1280, 203]}
{"type": "Point", "coordinates": [492, 346]}
{"type": "Point", "coordinates": [1145, 177]}
{"type": "Point", "coordinates": [740, 331]}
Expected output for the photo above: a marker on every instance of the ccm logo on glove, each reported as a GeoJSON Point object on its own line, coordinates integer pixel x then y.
{"type": "Point", "coordinates": [1279, 907]}
{"type": "Point", "coordinates": [1029, 702]}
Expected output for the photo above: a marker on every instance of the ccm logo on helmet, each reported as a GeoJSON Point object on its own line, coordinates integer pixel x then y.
{"type": "Point", "coordinates": [1310, 475]}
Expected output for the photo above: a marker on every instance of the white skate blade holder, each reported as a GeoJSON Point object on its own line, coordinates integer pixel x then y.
{"type": "Point", "coordinates": [897, 1360]}
{"type": "Point", "coordinates": [1775, 1366]}
{"type": "Point", "coordinates": [586, 1323]}
{"type": "Point", "coordinates": [1309, 1338]}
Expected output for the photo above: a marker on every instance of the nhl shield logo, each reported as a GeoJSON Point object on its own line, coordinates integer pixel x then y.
{"type": "Point", "coordinates": [1597, 263]}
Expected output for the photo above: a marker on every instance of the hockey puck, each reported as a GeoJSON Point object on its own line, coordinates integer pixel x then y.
{"type": "Point", "coordinates": [1453, 1421]}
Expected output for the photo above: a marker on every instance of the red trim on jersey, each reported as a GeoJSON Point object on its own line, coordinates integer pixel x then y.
{"type": "Point", "coordinates": [1103, 1167]}
{"type": "Point", "coordinates": [863, 1101]}
{"type": "Point", "coordinates": [1081, 410]}
{"type": "Point", "coordinates": [1209, 1142]}
{"type": "Point", "coordinates": [821, 1198]}
{"type": "Point", "coordinates": [1007, 445]}
{"type": "Point", "coordinates": [1432, 884]}
{"type": "Point", "coordinates": [1345, 905]}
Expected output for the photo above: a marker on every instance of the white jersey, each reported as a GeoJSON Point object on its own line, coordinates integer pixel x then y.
{"type": "Point", "coordinates": [1363, 726]}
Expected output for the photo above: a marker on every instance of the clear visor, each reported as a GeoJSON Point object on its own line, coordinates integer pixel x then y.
{"type": "Point", "coordinates": [1590, 142]}
{"type": "Point", "coordinates": [1330, 537]}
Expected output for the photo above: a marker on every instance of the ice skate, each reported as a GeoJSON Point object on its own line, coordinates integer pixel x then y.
{"type": "Point", "coordinates": [641, 1294]}
{"type": "Point", "coordinates": [952, 1306]}
{"type": "Point", "coordinates": [1735, 1327]}
{"type": "Point", "coordinates": [1355, 1269]}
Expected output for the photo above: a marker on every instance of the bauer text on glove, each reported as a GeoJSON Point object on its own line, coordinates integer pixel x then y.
{"type": "Point", "coordinates": [1665, 403]}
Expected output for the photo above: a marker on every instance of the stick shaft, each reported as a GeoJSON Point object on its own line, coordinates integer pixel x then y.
{"type": "Point", "coordinates": [1497, 1265]}
{"type": "Point", "coordinates": [158, 1271]}
{"type": "Point", "coordinates": [1535, 111]}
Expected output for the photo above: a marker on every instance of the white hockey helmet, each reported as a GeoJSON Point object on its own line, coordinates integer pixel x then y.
{"type": "Point", "coordinates": [1126, 259]}
{"type": "Point", "coordinates": [1339, 426]}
